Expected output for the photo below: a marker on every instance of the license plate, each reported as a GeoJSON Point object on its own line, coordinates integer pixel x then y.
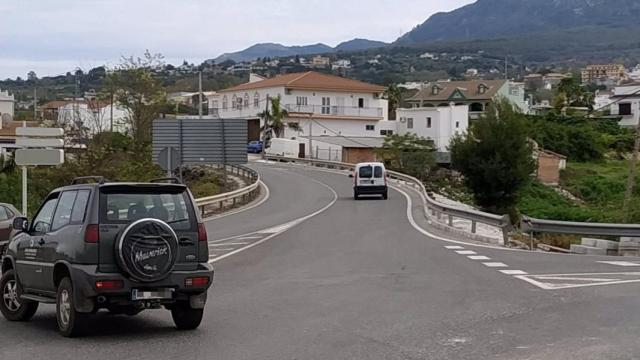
{"type": "Point", "coordinates": [160, 294]}
{"type": "Point", "coordinates": [366, 181]}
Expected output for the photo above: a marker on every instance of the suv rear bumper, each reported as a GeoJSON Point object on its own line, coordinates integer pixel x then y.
{"type": "Point", "coordinates": [84, 278]}
{"type": "Point", "coordinates": [365, 190]}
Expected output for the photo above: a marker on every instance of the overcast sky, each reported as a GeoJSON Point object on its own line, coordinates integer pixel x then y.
{"type": "Point", "coordinates": [52, 37]}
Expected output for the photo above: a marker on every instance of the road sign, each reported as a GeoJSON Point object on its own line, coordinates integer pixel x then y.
{"type": "Point", "coordinates": [39, 142]}
{"type": "Point", "coordinates": [169, 158]}
{"type": "Point", "coordinates": [36, 157]}
{"type": "Point", "coordinates": [39, 132]}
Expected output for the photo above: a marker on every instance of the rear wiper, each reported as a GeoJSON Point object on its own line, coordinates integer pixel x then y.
{"type": "Point", "coordinates": [177, 221]}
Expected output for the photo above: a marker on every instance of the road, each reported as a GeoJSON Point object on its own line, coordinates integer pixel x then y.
{"type": "Point", "coordinates": [312, 274]}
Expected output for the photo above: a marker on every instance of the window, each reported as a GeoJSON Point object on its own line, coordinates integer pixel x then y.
{"type": "Point", "coordinates": [301, 100]}
{"type": "Point", "coordinates": [386, 132]}
{"type": "Point", "coordinates": [224, 103]}
{"type": "Point", "coordinates": [256, 100]}
{"type": "Point", "coordinates": [377, 172]}
{"type": "Point", "coordinates": [234, 102]}
{"type": "Point", "coordinates": [42, 221]}
{"type": "Point", "coordinates": [62, 216]}
{"type": "Point", "coordinates": [326, 105]}
{"type": "Point", "coordinates": [4, 215]}
{"type": "Point", "coordinates": [428, 123]}
{"type": "Point", "coordinates": [370, 127]}
{"type": "Point", "coordinates": [625, 109]}
{"type": "Point", "coordinates": [482, 89]}
{"type": "Point", "coordinates": [365, 172]}
{"type": "Point", "coordinates": [435, 90]}
{"type": "Point", "coordinates": [360, 103]}
{"type": "Point", "coordinates": [124, 207]}
{"type": "Point", "coordinates": [457, 124]}
{"type": "Point", "coordinates": [409, 123]}
{"type": "Point", "coordinates": [246, 100]}
{"type": "Point", "coordinates": [80, 206]}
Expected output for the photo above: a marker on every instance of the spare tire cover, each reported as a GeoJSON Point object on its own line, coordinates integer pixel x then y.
{"type": "Point", "coordinates": [147, 250]}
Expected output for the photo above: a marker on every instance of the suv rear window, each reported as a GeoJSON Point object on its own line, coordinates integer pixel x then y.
{"type": "Point", "coordinates": [365, 172]}
{"type": "Point", "coordinates": [127, 207]}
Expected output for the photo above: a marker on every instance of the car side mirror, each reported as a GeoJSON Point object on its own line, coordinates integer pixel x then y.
{"type": "Point", "coordinates": [21, 224]}
{"type": "Point", "coordinates": [351, 176]}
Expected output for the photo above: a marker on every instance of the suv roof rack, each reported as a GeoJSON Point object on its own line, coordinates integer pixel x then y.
{"type": "Point", "coordinates": [88, 179]}
{"type": "Point", "coordinates": [173, 180]}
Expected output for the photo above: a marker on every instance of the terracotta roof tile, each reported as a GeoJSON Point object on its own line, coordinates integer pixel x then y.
{"type": "Point", "coordinates": [310, 81]}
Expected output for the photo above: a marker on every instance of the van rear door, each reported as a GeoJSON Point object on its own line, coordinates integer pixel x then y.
{"type": "Point", "coordinates": [379, 176]}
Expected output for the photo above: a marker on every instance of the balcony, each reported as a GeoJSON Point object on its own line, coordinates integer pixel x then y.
{"type": "Point", "coordinates": [346, 111]}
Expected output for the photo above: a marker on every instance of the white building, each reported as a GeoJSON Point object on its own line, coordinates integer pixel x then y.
{"type": "Point", "coordinates": [7, 104]}
{"type": "Point", "coordinates": [603, 99]}
{"type": "Point", "coordinates": [95, 115]}
{"type": "Point", "coordinates": [634, 74]}
{"type": "Point", "coordinates": [341, 64]}
{"type": "Point", "coordinates": [317, 105]}
{"type": "Point", "coordinates": [320, 61]}
{"type": "Point", "coordinates": [628, 105]}
{"type": "Point", "coordinates": [437, 124]}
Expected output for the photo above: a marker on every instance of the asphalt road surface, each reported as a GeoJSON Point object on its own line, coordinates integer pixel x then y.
{"type": "Point", "coordinates": [312, 274]}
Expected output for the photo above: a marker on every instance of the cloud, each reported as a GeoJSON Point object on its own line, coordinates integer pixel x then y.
{"type": "Point", "coordinates": [82, 32]}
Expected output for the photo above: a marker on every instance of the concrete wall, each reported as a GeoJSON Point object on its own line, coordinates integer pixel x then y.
{"type": "Point", "coordinates": [549, 169]}
{"type": "Point", "coordinates": [358, 155]}
{"type": "Point", "coordinates": [630, 120]}
{"type": "Point", "coordinates": [98, 120]}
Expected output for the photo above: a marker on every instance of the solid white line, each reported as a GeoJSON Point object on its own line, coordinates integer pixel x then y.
{"type": "Point", "coordinates": [265, 198]}
{"type": "Point", "coordinates": [574, 278]}
{"type": "Point", "coordinates": [513, 272]}
{"type": "Point", "coordinates": [620, 263]}
{"type": "Point", "coordinates": [495, 264]}
{"type": "Point", "coordinates": [247, 238]}
{"type": "Point", "coordinates": [466, 252]}
{"type": "Point", "coordinates": [294, 223]}
{"type": "Point", "coordinates": [228, 244]}
{"type": "Point", "coordinates": [479, 257]}
{"type": "Point", "coordinates": [454, 247]}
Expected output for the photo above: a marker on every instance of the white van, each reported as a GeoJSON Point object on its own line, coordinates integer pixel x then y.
{"type": "Point", "coordinates": [370, 179]}
{"type": "Point", "coordinates": [283, 147]}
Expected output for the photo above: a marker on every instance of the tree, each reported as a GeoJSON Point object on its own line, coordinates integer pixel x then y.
{"type": "Point", "coordinates": [394, 95]}
{"type": "Point", "coordinates": [273, 117]}
{"type": "Point", "coordinates": [409, 154]}
{"type": "Point", "coordinates": [137, 90]}
{"type": "Point", "coordinates": [496, 158]}
{"type": "Point", "coordinates": [571, 93]}
{"type": "Point", "coordinates": [31, 76]}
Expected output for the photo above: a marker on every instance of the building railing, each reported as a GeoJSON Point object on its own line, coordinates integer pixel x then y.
{"type": "Point", "coordinates": [229, 200]}
{"type": "Point", "coordinates": [373, 112]}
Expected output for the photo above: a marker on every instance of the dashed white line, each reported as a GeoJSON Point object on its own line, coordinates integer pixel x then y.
{"type": "Point", "coordinates": [479, 257]}
{"type": "Point", "coordinates": [495, 264]}
{"type": "Point", "coordinates": [228, 244]}
{"type": "Point", "coordinates": [454, 247]}
{"type": "Point", "coordinates": [466, 252]}
{"type": "Point", "coordinates": [620, 263]}
{"type": "Point", "coordinates": [513, 272]}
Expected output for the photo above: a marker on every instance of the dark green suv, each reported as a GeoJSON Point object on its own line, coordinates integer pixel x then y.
{"type": "Point", "coordinates": [124, 247]}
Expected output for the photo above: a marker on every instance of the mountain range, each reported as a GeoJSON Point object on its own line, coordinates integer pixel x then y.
{"type": "Point", "coordinates": [279, 50]}
{"type": "Point", "coordinates": [500, 20]}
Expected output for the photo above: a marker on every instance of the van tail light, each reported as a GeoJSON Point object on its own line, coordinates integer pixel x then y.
{"type": "Point", "coordinates": [202, 232]}
{"type": "Point", "coordinates": [385, 176]}
{"type": "Point", "coordinates": [92, 234]}
{"type": "Point", "coordinates": [355, 179]}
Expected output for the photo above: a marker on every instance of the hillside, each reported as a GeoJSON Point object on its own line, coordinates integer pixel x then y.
{"type": "Point", "coordinates": [506, 18]}
{"type": "Point", "coordinates": [279, 50]}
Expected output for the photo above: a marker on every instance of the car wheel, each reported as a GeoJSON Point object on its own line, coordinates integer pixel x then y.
{"type": "Point", "coordinates": [12, 307]}
{"type": "Point", "coordinates": [71, 323]}
{"type": "Point", "coordinates": [185, 317]}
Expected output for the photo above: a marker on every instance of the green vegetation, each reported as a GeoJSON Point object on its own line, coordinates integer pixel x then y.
{"type": "Point", "coordinates": [409, 154]}
{"type": "Point", "coordinates": [495, 158]}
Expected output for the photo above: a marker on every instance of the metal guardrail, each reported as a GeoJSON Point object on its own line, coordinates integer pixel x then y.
{"type": "Point", "coordinates": [436, 208]}
{"type": "Point", "coordinates": [532, 225]}
{"type": "Point", "coordinates": [233, 198]}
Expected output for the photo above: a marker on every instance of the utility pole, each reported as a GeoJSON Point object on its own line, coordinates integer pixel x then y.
{"type": "Point", "coordinates": [200, 95]}
{"type": "Point", "coordinates": [506, 68]}
{"type": "Point", "coordinates": [111, 113]}
{"type": "Point", "coordinates": [25, 173]}
{"type": "Point", "coordinates": [264, 131]}
{"type": "Point", "coordinates": [633, 169]}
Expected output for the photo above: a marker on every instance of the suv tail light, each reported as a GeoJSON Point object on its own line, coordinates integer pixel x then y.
{"type": "Point", "coordinates": [92, 234]}
{"type": "Point", "coordinates": [109, 284]}
{"type": "Point", "coordinates": [197, 281]}
{"type": "Point", "coordinates": [202, 232]}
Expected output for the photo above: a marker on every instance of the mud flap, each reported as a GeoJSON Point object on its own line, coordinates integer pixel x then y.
{"type": "Point", "coordinates": [198, 301]}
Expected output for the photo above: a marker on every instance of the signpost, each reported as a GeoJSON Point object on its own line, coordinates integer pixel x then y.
{"type": "Point", "coordinates": [169, 160]}
{"type": "Point", "coordinates": [40, 147]}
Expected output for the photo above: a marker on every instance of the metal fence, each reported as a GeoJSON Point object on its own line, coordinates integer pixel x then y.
{"type": "Point", "coordinates": [221, 202]}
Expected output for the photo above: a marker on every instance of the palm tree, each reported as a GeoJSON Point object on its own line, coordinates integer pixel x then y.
{"type": "Point", "coordinates": [274, 117]}
{"type": "Point", "coordinates": [394, 95]}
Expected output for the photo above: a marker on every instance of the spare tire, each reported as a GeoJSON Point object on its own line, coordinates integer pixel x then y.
{"type": "Point", "coordinates": [147, 250]}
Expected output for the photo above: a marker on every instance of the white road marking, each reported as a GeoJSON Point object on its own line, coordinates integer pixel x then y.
{"type": "Point", "coordinates": [466, 252]}
{"type": "Point", "coordinates": [479, 257]}
{"type": "Point", "coordinates": [228, 244]}
{"type": "Point", "coordinates": [247, 238]}
{"type": "Point", "coordinates": [513, 272]}
{"type": "Point", "coordinates": [495, 264]}
{"type": "Point", "coordinates": [454, 247]}
{"type": "Point", "coordinates": [620, 263]}
{"type": "Point", "coordinates": [572, 281]}
{"type": "Point", "coordinates": [283, 227]}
